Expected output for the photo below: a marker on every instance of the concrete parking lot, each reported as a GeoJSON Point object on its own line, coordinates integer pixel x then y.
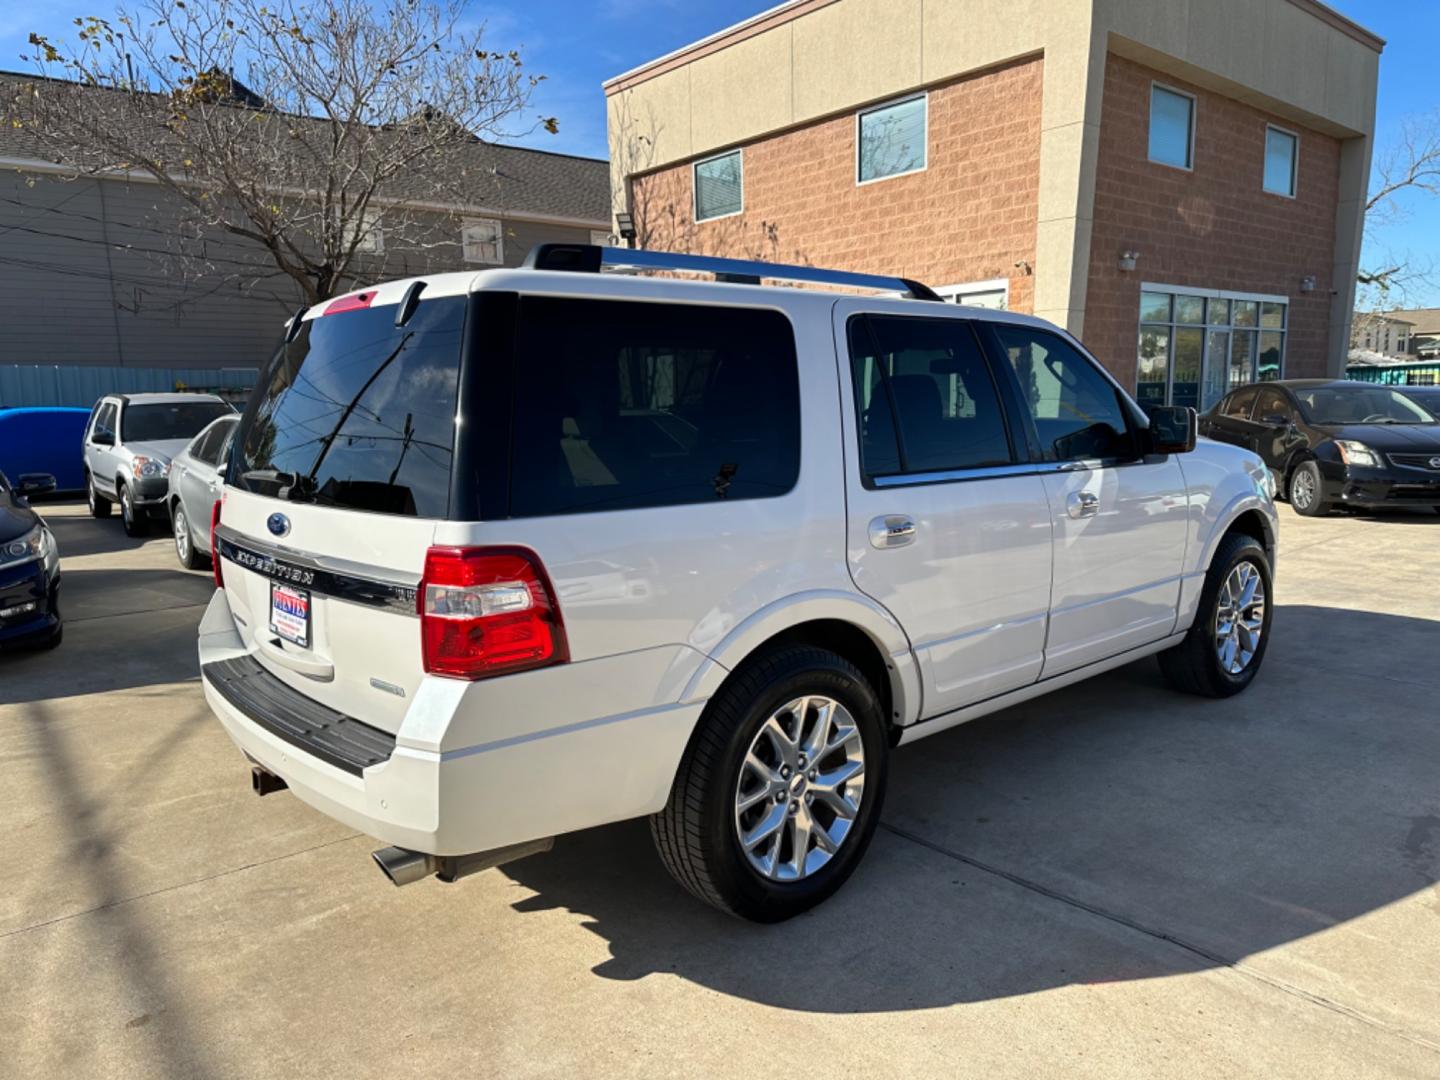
{"type": "Point", "coordinates": [1110, 881]}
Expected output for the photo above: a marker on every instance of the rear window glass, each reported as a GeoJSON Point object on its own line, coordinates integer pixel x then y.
{"type": "Point", "coordinates": [620, 405]}
{"type": "Point", "coordinates": [177, 420]}
{"type": "Point", "coordinates": [359, 413]}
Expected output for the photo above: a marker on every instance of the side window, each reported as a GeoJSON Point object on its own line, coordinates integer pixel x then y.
{"type": "Point", "coordinates": [106, 420]}
{"type": "Point", "coordinates": [621, 405]}
{"type": "Point", "coordinates": [1238, 406]}
{"type": "Point", "coordinates": [1272, 403]}
{"type": "Point", "coordinates": [207, 446]}
{"type": "Point", "coordinates": [926, 399]}
{"type": "Point", "coordinates": [1077, 411]}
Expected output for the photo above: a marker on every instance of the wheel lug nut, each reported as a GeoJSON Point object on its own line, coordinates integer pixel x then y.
{"type": "Point", "coordinates": [809, 797]}
{"type": "Point", "coordinates": [794, 806]}
{"type": "Point", "coordinates": [802, 761]}
{"type": "Point", "coordinates": [814, 773]}
{"type": "Point", "coordinates": [785, 771]}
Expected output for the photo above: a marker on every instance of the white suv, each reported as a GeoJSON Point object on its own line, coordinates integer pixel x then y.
{"type": "Point", "coordinates": [511, 554]}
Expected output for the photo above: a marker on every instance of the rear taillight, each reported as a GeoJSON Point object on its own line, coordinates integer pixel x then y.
{"type": "Point", "coordinates": [215, 544]}
{"type": "Point", "coordinates": [488, 611]}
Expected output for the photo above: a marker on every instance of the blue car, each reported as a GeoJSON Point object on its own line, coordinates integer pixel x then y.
{"type": "Point", "coordinates": [29, 567]}
{"type": "Point", "coordinates": [44, 440]}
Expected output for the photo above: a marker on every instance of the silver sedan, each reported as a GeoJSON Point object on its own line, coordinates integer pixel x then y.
{"type": "Point", "coordinates": [196, 474]}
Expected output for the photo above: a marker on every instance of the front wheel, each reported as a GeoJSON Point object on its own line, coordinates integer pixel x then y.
{"type": "Point", "coordinates": [780, 790]}
{"type": "Point", "coordinates": [1307, 490]}
{"type": "Point", "coordinates": [135, 523]}
{"type": "Point", "coordinates": [98, 504]}
{"type": "Point", "coordinates": [1226, 644]}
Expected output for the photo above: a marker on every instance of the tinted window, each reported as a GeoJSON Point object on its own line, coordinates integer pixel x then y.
{"type": "Point", "coordinates": [1077, 411]}
{"type": "Point", "coordinates": [1237, 405]}
{"type": "Point", "coordinates": [176, 420]}
{"type": "Point", "coordinates": [1341, 404]}
{"type": "Point", "coordinates": [359, 413]}
{"type": "Point", "coordinates": [207, 447]}
{"type": "Point", "coordinates": [929, 376]}
{"type": "Point", "coordinates": [1271, 403]}
{"type": "Point", "coordinates": [621, 405]}
{"type": "Point", "coordinates": [106, 420]}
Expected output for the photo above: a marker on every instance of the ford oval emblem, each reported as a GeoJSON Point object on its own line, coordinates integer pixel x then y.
{"type": "Point", "coordinates": [278, 524]}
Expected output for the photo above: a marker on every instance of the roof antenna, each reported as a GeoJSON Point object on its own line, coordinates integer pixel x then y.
{"type": "Point", "coordinates": [409, 302]}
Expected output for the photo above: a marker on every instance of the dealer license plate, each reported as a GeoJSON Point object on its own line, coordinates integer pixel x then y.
{"type": "Point", "coordinates": [290, 614]}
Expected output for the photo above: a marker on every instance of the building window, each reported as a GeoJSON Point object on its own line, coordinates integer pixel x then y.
{"type": "Point", "coordinates": [484, 241]}
{"type": "Point", "coordinates": [719, 187]}
{"type": "Point", "coordinates": [600, 237]}
{"type": "Point", "coordinates": [1172, 127]}
{"type": "Point", "coordinates": [1282, 153]}
{"type": "Point", "coordinates": [891, 140]}
{"type": "Point", "coordinates": [994, 294]}
{"type": "Point", "coordinates": [1196, 345]}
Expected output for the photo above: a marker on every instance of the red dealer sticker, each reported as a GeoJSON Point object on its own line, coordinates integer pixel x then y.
{"type": "Point", "coordinates": [290, 614]}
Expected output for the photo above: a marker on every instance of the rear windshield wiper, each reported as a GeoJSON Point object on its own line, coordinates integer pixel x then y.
{"type": "Point", "coordinates": [289, 486]}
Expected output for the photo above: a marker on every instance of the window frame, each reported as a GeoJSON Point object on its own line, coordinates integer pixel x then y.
{"type": "Point", "coordinates": [924, 96]}
{"type": "Point", "coordinates": [1294, 163]}
{"type": "Point", "coordinates": [1189, 165]}
{"type": "Point", "coordinates": [1018, 439]}
{"type": "Point", "coordinates": [1171, 326]}
{"type": "Point", "coordinates": [737, 153]}
{"type": "Point", "coordinates": [499, 260]}
{"type": "Point", "coordinates": [951, 293]}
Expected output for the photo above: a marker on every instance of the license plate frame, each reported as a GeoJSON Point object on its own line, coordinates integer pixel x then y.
{"type": "Point", "coordinates": [293, 626]}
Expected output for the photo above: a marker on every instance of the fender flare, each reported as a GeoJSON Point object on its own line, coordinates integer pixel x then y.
{"type": "Point", "coordinates": [1233, 509]}
{"type": "Point", "coordinates": [780, 615]}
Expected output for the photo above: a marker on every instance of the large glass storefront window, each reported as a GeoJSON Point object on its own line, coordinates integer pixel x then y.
{"type": "Point", "coordinates": [1196, 346]}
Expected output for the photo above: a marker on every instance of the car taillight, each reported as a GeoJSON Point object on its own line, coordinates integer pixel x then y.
{"type": "Point", "coordinates": [215, 544]}
{"type": "Point", "coordinates": [488, 611]}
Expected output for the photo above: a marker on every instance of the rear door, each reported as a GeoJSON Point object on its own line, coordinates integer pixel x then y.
{"type": "Point", "coordinates": [948, 525]}
{"type": "Point", "coordinates": [1230, 421]}
{"type": "Point", "coordinates": [342, 469]}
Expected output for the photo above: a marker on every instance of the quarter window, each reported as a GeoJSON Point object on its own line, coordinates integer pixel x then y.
{"type": "Point", "coordinates": [1172, 127]}
{"type": "Point", "coordinates": [1281, 153]}
{"type": "Point", "coordinates": [1076, 410]}
{"type": "Point", "coordinates": [892, 140]}
{"type": "Point", "coordinates": [622, 405]}
{"type": "Point", "coordinates": [484, 241]}
{"type": "Point", "coordinates": [925, 396]}
{"type": "Point", "coordinates": [719, 187]}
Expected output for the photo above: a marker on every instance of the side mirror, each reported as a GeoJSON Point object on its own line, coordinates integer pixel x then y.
{"type": "Point", "coordinates": [1173, 429]}
{"type": "Point", "coordinates": [35, 483]}
{"type": "Point", "coordinates": [101, 437]}
{"type": "Point", "coordinates": [1275, 420]}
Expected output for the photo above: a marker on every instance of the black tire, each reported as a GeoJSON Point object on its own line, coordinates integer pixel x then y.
{"type": "Point", "coordinates": [1308, 498]}
{"type": "Point", "coordinates": [696, 833]}
{"type": "Point", "coordinates": [1194, 666]}
{"type": "Point", "coordinates": [185, 551]}
{"type": "Point", "coordinates": [99, 505]}
{"type": "Point", "coordinates": [53, 641]}
{"type": "Point", "coordinates": [135, 522]}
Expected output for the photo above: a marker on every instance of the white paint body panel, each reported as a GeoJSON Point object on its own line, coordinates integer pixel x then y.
{"type": "Point", "coordinates": [660, 605]}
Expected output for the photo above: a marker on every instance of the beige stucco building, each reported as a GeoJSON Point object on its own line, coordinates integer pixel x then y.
{"type": "Point", "coordinates": [1032, 177]}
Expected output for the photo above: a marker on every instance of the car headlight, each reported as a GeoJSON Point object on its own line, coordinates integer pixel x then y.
{"type": "Point", "coordinates": [147, 466]}
{"type": "Point", "coordinates": [1357, 453]}
{"type": "Point", "coordinates": [35, 544]}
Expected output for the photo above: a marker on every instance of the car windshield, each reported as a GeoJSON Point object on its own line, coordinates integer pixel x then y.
{"type": "Point", "coordinates": [173, 420]}
{"type": "Point", "coordinates": [1360, 405]}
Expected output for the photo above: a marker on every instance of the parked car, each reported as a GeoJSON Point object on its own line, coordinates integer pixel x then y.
{"type": "Point", "coordinates": [44, 439]}
{"type": "Point", "coordinates": [1331, 443]}
{"type": "Point", "coordinates": [1427, 397]}
{"type": "Point", "coordinates": [128, 446]}
{"type": "Point", "coordinates": [508, 555]}
{"type": "Point", "coordinates": [29, 567]}
{"type": "Point", "coordinates": [195, 477]}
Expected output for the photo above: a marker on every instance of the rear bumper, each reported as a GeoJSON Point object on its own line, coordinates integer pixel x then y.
{"type": "Point", "coordinates": [567, 777]}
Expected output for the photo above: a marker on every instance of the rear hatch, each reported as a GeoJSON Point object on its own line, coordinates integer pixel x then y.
{"type": "Point", "coordinates": [341, 471]}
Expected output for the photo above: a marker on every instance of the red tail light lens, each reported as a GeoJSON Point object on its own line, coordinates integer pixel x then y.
{"type": "Point", "coordinates": [488, 611]}
{"type": "Point", "coordinates": [214, 545]}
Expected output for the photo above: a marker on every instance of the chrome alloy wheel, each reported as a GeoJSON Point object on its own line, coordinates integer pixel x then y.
{"type": "Point", "coordinates": [1239, 618]}
{"type": "Point", "coordinates": [800, 787]}
{"type": "Point", "coordinates": [1302, 490]}
{"type": "Point", "coordinates": [182, 535]}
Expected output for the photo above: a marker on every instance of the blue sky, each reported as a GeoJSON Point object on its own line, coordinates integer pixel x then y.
{"type": "Point", "coordinates": [578, 44]}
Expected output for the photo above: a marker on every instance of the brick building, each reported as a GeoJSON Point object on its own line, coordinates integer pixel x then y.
{"type": "Point", "coordinates": [1180, 184]}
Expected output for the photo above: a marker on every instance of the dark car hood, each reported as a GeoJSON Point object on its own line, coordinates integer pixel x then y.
{"type": "Point", "coordinates": [1397, 438]}
{"type": "Point", "coordinates": [15, 520]}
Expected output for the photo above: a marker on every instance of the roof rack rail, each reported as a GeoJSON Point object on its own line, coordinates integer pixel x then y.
{"type": "Point", "coordinates": [591, 259]}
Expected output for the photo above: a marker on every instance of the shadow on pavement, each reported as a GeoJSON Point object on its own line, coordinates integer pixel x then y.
{"type": "Point", "coordinates": [1227, 827]}
{"type": "Point", "coordinates": [79, 535]}
{"type": "Point", "coordinates": [123, 629]}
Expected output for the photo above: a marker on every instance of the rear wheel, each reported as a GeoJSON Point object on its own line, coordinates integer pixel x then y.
{"type": "Point", "coordinates": [1226, 644]}
{"type": "Point", "coordinates": [135, 524]}
{"type": "Point", "coordinates": [185, 551]}
{"type": "Point", "coordinates": [99, 505]}
{"type": "Point", "coordinates": [1307, 490]}
{"type": "Point", "coordinates": [780, 790]}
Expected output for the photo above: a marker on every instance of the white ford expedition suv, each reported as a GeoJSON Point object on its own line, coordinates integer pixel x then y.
{"type": "Point", "coordinates": [510, 554]}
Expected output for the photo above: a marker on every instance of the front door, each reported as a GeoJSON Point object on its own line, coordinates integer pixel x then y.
{"type": "Point", "coordinates": [947, 521]}
{"type": "Point", "coordinates": [1119, 519]}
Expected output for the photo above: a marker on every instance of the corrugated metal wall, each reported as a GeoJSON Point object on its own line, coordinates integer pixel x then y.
{"type": "Point", "coordinates": [64, 384]}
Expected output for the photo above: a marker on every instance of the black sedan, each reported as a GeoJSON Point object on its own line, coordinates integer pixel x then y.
{"type": "Point", "coordinates": [1427, 397]}
{"type": "Point", "coordinates": [1335, 443]}
{"type": "Point", "coordinates": [29, 567]}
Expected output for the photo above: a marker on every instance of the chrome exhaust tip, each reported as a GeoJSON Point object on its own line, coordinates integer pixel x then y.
{"type": "Point", "coordinates": [405, 867]}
